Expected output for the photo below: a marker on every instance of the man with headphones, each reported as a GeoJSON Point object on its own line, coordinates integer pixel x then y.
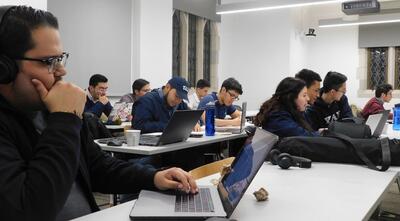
{"type": "Point", "coordinates": [49, 165]}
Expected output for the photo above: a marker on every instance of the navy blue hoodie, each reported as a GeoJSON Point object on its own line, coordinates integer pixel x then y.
{"type": "Point", "coordinates": [283, 124]}
{"type": "Point", "coordinates": [151, 112]}
{"type": "Point", "coordinates": [321, 114]}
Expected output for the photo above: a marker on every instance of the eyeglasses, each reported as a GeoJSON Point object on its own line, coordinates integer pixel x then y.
{"type": "Point", "coordinates": [344, 92]}
{"type": "Point", "coordinates": [233, 96]}
{"type": "Point", "coordinates": [102, 89]}
{"type": "Point", "coordinates": [51, 62]}
{"type": "Point", "coordinates": [146, 90]}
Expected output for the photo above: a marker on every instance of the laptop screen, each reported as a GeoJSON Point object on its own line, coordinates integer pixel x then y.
{"type": "Point", "coordinates": [376, 122]}
{"type": "Point", "coordinates": [244, 168]}
{"type": "Point", "coordinates": [243, 116]}
{"type": "Point", "coordinates": [121, 110]}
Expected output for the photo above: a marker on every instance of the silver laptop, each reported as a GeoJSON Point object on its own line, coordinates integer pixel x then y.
{"type": "Point", "coordinates": [177, 130]}
{"type": "Point", "coordinates": [211, 201]}
{"type": "Point", "coordinates": [235, 129]}
{"type": "Point", "coordinates": [376, 122]}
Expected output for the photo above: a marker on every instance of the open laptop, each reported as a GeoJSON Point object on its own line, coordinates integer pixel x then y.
{"type": "Point", "coordinates": [120, 110]}
{"type": "Point", "coordinates": [178, 129]}
{"type": "Point", "coordinates": [376, 122]}
{"type": "Point", "coordinates": [211, 201]}
{"type": "Point", "coordinates": [235, 129]}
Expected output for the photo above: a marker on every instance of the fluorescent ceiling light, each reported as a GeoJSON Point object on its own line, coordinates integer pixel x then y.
{"type": "Point", "coordinates": [363, 20]}
{"type": "Point", "coordinates": [268, 5]}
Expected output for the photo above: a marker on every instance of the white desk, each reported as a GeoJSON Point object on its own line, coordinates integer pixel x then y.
{"type": "Point", "coordinates": [324, 192]}
{"type": "Point", "coordinates": [390, 133]}
{"type": "Point", "coordinates": [191, 142]}
{"type": "Point", "coordinates": [116, 127]}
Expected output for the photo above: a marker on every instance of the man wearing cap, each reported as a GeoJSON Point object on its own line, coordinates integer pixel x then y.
{"type": "Point", "coordinates": [153, 111]}
{"type": "Point", "coordinates": [332, 105]}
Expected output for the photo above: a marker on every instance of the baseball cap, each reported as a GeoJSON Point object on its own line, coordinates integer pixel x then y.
{"type": "Point", "coordinates": [181, 86]}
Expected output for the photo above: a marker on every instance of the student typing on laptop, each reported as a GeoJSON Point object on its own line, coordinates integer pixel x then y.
{"type": "Point", "coordinates": [229, 92]}
{"type": "Point", "coordinates": [153, 111]}
{"type": "Point", "coordinates": [383, 94]}
{"type": "Point", "coordinates": [49, 164]}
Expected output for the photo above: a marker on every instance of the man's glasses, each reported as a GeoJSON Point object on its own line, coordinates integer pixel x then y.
{"type": "Point", "coordinates": [233, 96]}
{"type": "Point", "coordinates": [51, 62]}
{"type": "Point", "coordinates": [146, 90]}
{"type": "Point", "coordinates": [344, 92]}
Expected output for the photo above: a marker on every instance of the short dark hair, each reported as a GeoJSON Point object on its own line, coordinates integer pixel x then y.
{"type": "Point", "coordinates": [382, 89]}
{"type": "Point", "coordinates": [333, 80]}
{"type": "Point", "coordinates": [202, 83]}
{"type": "Point", "coordinates": [17, 26]}
{"type": "Point", "coordinates": [232, 84]}
{"type": "Point", "coordinates": [96, 79]}
{"type": "Point", "coordinates": [308, 76]}
{"type": "Point", "coordinates": [138, 84]}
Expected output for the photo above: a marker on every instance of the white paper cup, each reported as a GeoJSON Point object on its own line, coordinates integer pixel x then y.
{"type": "Point", "coordinates": [132, 137]}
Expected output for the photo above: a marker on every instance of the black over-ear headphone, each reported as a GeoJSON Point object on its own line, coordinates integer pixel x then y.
{"type": "Point", "coordinates": [285, 160]}
{"type": "Point", "coordinates": [8, 67]}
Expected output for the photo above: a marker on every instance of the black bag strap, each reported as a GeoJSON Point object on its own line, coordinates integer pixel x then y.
{"type": "Point", "coordinates": [384, 146]}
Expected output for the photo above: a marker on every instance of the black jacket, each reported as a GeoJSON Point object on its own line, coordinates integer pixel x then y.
{"type": "Point", "coordinates": [320, 114]}
{"type": "Point", "coordinates": [37, 171]}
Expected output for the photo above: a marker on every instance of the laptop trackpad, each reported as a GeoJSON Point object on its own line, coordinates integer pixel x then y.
{"type": "Point", "coordinates": [158, 204]}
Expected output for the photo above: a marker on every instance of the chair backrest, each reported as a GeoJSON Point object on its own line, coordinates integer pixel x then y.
{"type": "Point", "coordinates": [95, 126]}
{"type": "Point", "coordinates": [211, 168]}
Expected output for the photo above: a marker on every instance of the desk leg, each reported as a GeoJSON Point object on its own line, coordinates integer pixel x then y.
{"type": "Point", "coordinates": [113, 197]}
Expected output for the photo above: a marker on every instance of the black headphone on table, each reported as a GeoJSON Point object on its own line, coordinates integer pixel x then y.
{"type": "Point", "coordinates": [8, 67]}
{"type": "Point", "coordinates": [285, 160]}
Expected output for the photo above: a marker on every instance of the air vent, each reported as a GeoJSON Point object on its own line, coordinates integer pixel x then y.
{"type": "Point", "coordinates": [360, 7]}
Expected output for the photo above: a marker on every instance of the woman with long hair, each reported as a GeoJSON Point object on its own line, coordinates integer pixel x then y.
{"type": "Point", "coordinates": [283, 113]}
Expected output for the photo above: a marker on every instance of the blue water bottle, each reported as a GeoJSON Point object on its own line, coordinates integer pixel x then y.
{"type": "Point", "coordinates": [396, 117]}
{"type": "Point", "coordinates": [210, 119]}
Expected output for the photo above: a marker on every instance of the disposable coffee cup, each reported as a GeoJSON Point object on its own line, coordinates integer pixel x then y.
{"type": "Point", "coordinates": [132, 137]}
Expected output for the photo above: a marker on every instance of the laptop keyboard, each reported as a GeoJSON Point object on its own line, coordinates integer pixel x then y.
{"type": "Point", "coordinates": [149, 140]}
{"type": "Point", "coordinates": [106, 140]}
{"type": "Point", "coordinates": [200, 202]}
{"type": "Point", "coordinates": [144, 140]}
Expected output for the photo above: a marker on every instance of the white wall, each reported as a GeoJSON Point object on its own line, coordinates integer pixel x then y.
{"type": "Point", "coordinates": [152, 41]}
{"type": "Point", "coordinates": [39, 4]}
{"type": "Point", "coordinates": [97, 34]}
{"type": "Point", "coordinates": [255, 49]}
{"type": "Point", "coordinates": [261, 48]}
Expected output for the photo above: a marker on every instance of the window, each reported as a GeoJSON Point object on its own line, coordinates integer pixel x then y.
{"type": "Point", "coordinates": [207, 51]}
{"type": "Point", "coordinates": [377, 67]}
{"type": "Point", "coordinates": [176, 45]}
{"type": "Point", "coordinates": [192, 50]}
{"type": "Point", "coordinates": [195, 48]}
{"type": "Point", "coordinates": [397, 70]}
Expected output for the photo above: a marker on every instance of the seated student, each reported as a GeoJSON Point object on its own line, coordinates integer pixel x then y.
{"type": "Point", "coordinates": [283, 114]}
{"type": "Point", "coordinates": [139, 88]}
{"type": "Point", "coordinates": [383, 93]}
{"type": "Point", "coordinates": [332, 105]}
{"type": "Point", "coordinates": [49, 164]}
{"type": "Point", "coordinates": [201, 90]}
{"type": "Point", "coordinates": [229, 92]}
{"type": "Point", "coordinates": [97, 101]}
{"type": "Point", "coordinates": [153, 111]}
{"type": "Point", "coordinates": [312, 80]}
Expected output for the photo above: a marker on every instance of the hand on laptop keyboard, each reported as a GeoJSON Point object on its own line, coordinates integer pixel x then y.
{"type": "Point", "coordinates": [175, 178]}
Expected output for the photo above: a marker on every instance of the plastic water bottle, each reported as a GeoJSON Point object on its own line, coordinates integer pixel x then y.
{"type": "Point", "coordinates": [396, 117]}
{"type": "Point", "coordinates": [210, 119]}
